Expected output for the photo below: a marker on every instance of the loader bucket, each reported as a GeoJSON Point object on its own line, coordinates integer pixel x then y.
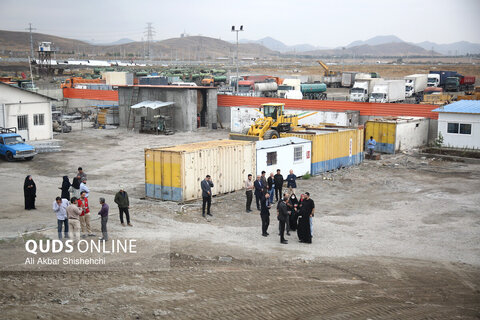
{"type": "Point", "coordinates": [239, 136]}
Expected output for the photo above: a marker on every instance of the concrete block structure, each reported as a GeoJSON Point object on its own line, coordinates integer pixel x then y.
{"type": "Point", "coordinates": [191, 104]}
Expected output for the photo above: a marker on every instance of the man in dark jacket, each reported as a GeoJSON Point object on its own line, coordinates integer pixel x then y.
{"type": "Point", "coordinates": [207, 186]}
{"type": "Point", "coordinates": [278, 179]}
{"type": "Point", "coordinates": [258, 191]}
{"type": "Point", "coordinates": [265, 213]}
{"type": "Point", "coordinates": [291, 182]}
{"type": "Point", "coordinates": [283, 217]}
{"type": "Point", "coordinates": [103, 213]}
{"type": "Point", "coordinates": [121, 199]}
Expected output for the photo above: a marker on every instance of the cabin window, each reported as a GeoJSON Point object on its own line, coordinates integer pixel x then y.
{"type": "Point", "coordinates": [297, 153]}
{"type": "Point", "coordinates": [271, 158]}
{"type": "Point", "coordinates": [459, 128]}
{"type": "Point", "coordinates": [38, 119]}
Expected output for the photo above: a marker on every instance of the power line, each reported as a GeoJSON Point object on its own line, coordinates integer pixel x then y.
{"type": "Point", "coordinates": [149, 31]}
{"type": "Point", "coordinates": [31, 40]}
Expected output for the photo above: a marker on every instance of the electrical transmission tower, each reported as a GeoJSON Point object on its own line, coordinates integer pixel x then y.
{"type": "Point", "coordinates": [31, 40]}
{"type": "Point", "coordinates": [149, 32]}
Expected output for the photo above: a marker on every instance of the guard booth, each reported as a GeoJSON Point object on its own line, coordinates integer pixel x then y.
{"type": "Point", "coordinates": [155, 117]}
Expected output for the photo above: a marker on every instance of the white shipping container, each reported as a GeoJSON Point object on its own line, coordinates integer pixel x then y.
{"type": "Point", "coordinates": [286, 154]}
{"type": "Point", "coordinates": [116, 78]}
{"type": "Point", "coordinates": [243, 117]}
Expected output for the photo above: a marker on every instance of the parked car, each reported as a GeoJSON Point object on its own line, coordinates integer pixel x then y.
{"type": "Point", "coordinates": [13, 147]}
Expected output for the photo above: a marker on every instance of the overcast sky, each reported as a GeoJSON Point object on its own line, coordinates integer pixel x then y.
{"type": "Point", "coordinates": [322, 23]}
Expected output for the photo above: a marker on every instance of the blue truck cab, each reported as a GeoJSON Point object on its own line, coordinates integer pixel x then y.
{"type": "Point", "coordinates": [13, 147]}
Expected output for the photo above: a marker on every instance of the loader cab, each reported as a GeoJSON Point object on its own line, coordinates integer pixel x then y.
{"type": "Point", "coordinates": [271, 110]}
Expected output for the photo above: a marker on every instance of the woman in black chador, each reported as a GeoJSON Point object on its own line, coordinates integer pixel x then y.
{"type": "Point", "coordinates": [30, 192]}
{"type": "Point", "coordinates": [303, 228]}
{"type": "Point", "coordinates": [292, 205]}
{"type": "Point", "coordinates": [65, 188]}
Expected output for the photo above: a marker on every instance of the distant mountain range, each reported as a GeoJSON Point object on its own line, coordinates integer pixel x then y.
{"type": "Point", "coordinates": [456, 48]}
{"type": "Point", "coordinates": [121, 41]}
{"type": "Point", "coordinates": [206, 48]}
{"type": "Point", "coordinates": [281, 47]}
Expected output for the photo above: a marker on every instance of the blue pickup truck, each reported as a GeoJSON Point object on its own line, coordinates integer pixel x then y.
{"type": "Point", "coordinates": [12, 146]}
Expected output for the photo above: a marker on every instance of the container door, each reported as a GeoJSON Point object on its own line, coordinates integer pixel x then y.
{"type": "Point", "coordinates": [22, 126]}
{"type": "Point", "coordinates": [384, 135]}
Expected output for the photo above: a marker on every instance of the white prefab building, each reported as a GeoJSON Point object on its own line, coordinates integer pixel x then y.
{"type": "Point", "coordinates": [29, 112]}
{"type": "Point", "coordinates": [284, 154]}
{"type": "Point", "coordinates": [243, 117]}
{"type": "Point", "coordinates": [459, 124]}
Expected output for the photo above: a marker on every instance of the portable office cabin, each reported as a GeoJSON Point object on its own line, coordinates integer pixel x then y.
{"type": "Point", "coordinates": [333, 148]}
{"type": "Point", "coordinates": [284, 154]}
{"type": "Point", "coordinates": [174, 173]}
{"type": "Point", "coordinates": [397, 134]}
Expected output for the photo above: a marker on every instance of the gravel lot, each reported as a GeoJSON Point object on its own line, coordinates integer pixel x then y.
{"type": "Point", "coordinates": [395, 238]}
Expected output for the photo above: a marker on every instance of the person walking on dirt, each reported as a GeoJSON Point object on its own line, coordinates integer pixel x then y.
{"type": "Point", "coordinates": [283, 217]}
{"type": "Point", "coordinates": [85, 216]}
{"type": "Point", "coordinates": [309, 210]}
{"type": "Point", "coordinates": [75, 188]}
{"type": "Point", "coordinates": [83, 187]}
{"type": "Point", "coordinates": [103, 213]}
{"type": "Point", "coordinates": [278, 178]}
{"type": "Point", "coordinates": [207, 186]}
{"type": "Point", "coordinates": [65, 188]}
{"type": "Point", "coordinates": [258, 191]}
{"type": "Point", "coordinates": [371, 146]}
{"type": "Point", "coordinates": [82, 174]}
{"type": "Point", "coordinates": [249, 192]}
{"type": "Point", "coordinates": [73, 215]}
{"type": "Point", "coordinates": [29, 193]}
{"type": "Point", "coordinates": [265, 213]}
{"type": "Point", "coordinates": [123, 203]}
{"type": "Point", "coordinates": [271, 187]}
{"type": "Point", "coordinates": [291, 182]}
{"type": "Point", "coordinates": [60, 208]}
{"type": "Point", "coordinates": [263, 178]}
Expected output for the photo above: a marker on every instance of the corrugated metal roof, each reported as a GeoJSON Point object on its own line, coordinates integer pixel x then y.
{"type": "Point", "coordinates": [462, 106]}
{"type": "Point", "coordinates": [365, 108]}
{"type": "Point", "coordinates": [213, 144]}
{"type": "Point", "coordinates": [273, 143]}
{"type": "Point", "coordinates": [152, 104]}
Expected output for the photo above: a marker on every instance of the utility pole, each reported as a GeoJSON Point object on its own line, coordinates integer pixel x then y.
{"type": "Point", "coordinates": [31, 39]}
{"type": "Point", "coordinates": [149, 32]}
{"type": "Point", "coordinates": [237, 31]}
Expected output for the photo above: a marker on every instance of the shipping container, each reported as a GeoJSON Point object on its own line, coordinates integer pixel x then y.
{"type": "Point", "coordinates": [243, 117]}
{"type": "Point", "coordinates": [397, 134]}
{"type": "Point", "coordinates": [174, 173]}
{"type": "Point", "coordinates": [116, 78]}
{"type": "Point", "coordinates": [348, 78]}
{"type": "Point", "coordinates": [333, 149]}
{"type": "Point", "coordinates": [284, 154]}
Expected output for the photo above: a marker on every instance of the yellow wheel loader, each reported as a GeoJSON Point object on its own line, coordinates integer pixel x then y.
{"type": "Point", "coordinates": [274, 122]}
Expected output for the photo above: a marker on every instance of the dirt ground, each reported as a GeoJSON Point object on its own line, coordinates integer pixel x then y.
{"type": "Point", "coordinates": [397, 238]}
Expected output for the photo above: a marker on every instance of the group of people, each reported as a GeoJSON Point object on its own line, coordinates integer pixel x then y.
{"type": "Point", "coordinates": [292, 213]}
{"type": "Point", "coordinates": [72, 208]}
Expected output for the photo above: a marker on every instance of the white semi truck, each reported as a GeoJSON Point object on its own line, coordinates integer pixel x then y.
{"type": "Point", "coordinates": [362, 88]}
{"type": "Point", "coordinates": [389, 91]}
{"type": "Point", "coordinates": [415, 84]}
{"type": "Point", "coordinates": [290, 89]}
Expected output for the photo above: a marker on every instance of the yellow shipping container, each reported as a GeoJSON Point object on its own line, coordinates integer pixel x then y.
{"type": "Point", "coordinates": [396, 134]}
{"type": "Point", "coordinates": [174, 173]}
{"type": "Point", "coordinates": [333, 149]}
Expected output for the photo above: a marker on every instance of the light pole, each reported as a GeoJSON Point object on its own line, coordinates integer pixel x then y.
{"type": "Point", "coordinates": [237, 30]}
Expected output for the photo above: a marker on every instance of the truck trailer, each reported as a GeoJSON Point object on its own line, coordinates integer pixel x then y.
{"type": "Point", "coordinates": [389, 91]}
{"type": "Point", "coordinates": [362, 88]}
{"type": "Point", "coordinates": [415, 84]}
{"type": "Point", "coordinates": [314, 91]}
